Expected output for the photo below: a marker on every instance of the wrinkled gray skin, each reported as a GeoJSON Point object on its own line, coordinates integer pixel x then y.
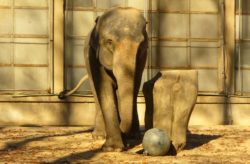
{"type": "Point", "coordinates": [115, 58]}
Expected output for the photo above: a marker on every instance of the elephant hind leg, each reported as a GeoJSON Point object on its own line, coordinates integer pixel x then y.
{"type": "Point", "coordinates": [99, 131]}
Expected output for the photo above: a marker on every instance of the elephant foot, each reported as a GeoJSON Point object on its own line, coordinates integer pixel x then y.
{"type": "Point", "coordinates": [111, 146]}
{"type": "Point", "coordinates": [179, 146]}
{"type": "Point", "coordinates": [98, 135]}
{"type": "Point", "coordinates": [112, 149]}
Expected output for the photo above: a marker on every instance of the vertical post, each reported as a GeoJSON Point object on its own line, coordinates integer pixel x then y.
{"type": "Point", "coordinates": [229, 57]}
{"type": "Point", "coordinates": [221, 58]}
{"type": "Point", "coordinates": [239, 46]}
{"type": "Point", "coordinates": [58, 45]}
{"type": "Point", "coordinates": [229, 45]}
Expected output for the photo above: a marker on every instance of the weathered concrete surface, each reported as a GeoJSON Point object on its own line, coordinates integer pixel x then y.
{"type": "Point", "coordinates": [47, 113]}
{"type": "Point", "coordinates": [170, 98]}
{"type": "Point", "coordinates": [48, 110]}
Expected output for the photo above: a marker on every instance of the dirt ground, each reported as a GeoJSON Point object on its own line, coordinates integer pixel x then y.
{"type": "Point", "coordinates": [214, 144]}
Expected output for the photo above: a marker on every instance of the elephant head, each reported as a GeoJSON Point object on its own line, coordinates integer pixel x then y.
{"type": "Point", "coordinates": [120, 43]}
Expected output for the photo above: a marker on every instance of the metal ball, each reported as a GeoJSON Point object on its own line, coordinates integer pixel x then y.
{"type": "Point", "coordinates": [156, 142]}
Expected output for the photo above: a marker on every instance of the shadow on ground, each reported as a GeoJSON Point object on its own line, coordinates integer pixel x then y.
{"type": "Point", "coordinates": [17, 144]}
{"type": "Point", "coordinates": [86, 155]}
{"type": "Point", "coordinates": [193, 141]}
{"type": "Point", "coordinates": [197, 140]}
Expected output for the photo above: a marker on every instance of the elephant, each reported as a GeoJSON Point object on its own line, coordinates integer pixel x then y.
{"type": "Point", "coordinates": [115, 55]}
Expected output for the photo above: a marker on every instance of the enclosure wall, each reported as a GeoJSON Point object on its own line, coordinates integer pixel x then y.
{"type": "Point", "coordinates": [41, 54]}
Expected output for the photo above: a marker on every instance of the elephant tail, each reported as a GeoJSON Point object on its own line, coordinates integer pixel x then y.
{"type": "Point", "coordinates": [64, 94]}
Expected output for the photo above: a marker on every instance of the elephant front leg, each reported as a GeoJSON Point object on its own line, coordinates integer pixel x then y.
{"type": "Point", "coordinates": [108, 103]}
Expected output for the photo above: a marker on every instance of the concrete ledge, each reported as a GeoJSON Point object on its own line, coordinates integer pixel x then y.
{"type": "Point", "coordinates": [47, 113]}
{"type": "Point", "coordinates": [209, 110]}
{"type": "Point", "coordinates": [89, 99]}
{"type": "Point", "coordinates": [240, 114]}
{"type": "Point", "coordinates": [84, 114]}
{"type": "Point", "coordinates": [208, 114]}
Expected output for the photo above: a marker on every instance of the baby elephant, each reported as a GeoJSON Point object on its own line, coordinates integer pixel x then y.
{"type": "Point", "coordinates": [115, 56]}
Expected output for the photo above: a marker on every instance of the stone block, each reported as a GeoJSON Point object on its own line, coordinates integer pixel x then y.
{"type": "Point", "coordinates": [170, 98]}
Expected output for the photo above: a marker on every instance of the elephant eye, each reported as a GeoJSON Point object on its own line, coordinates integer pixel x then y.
{"type": "Point", "coordinates": [109, 41]}
{"type": "Point", "coordinates": [109, 45]}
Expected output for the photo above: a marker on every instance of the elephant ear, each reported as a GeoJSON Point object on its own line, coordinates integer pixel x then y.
{"type": "Point", "coordinates": [94, 36]}
{"type": "Point", "coordinates": [105, 57]}
{"type": "Point", "coordinates": [93, 40]}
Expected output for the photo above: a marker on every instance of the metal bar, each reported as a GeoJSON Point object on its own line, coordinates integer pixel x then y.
{"type": "Point", "coordinates": [181, 46]}
{"type": "Point", "coordinates": [30, 65]}
{"type": "Point", "coordinates": [68, 37]}
{"type": "Point", "coordinates": [162, 39]}
{"type": "Point", "coordinates": [5, 65]}
{"type": "Point", "coordinates": [243, 40]}
{"type": "Point", "coordinates": [59, 46]}
{"type": "Point", "coordinates": [76, 66]}
{"type": "Point", "coordinates": [189, 12]}
{"type": "Point", "coordinates": [67, 31]}
{"type": "Point", "coordinates": [5, 91]}
{"type": "Point", "coordinates": [177, 39]}
{"type": "Point", "coordinates": [32, 7]}
{"type": "Point", "coordinates": [30, 36]}
{"type": "Point", "coordinates": [189, 36]}
{"type": "Point", "coordinates": [12, 45]}
{"type": "Point", "coordinates": [149, 70]}
{"type": "Point", "coordinates": [23, 36]}
{"type": "Point", "coordinates": [243, 13]}
{"type": "Point", "coordinates": [229, 45]}
{"type": "Point", "coordinates": [78, 8]}
{"type": "Point", "coordinates": [5, 7]}
{"type": "Point", "coordinates": [51, 47]}
{"type": "Point", "coordinates": [183, 67]}
{"type": "Point", "coordinates": [221, 51]}
{"type": "Point", "coordinates": [242, 67]}
{"type": "Point", "coordinates": [150, 11]}
{"type": "Point", "coordinates": [17, 95]}
{"type": "Point", "coordinates": [239, 47]}
{"type": "Point", "coordinates": [15, 42]}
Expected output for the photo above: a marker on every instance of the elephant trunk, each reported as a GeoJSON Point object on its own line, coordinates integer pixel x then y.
{"type": "Point", "coordinates": [124, 68]}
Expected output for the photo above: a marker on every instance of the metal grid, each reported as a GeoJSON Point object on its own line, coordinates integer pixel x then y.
{"type": "Point", "coordinates": [26, 48]}
{"type": "Point", "coordinates": [196, 47]}
{"type": "Point", "coordinates": [242, 65]}
{"type": "Point", "coordinates": [189, 42]}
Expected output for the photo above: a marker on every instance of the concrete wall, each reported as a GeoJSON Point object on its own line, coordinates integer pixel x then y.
{"type": "Point", "coordinates": [209, 110]}
{"type": "Point", "coordinates": [175, 41]}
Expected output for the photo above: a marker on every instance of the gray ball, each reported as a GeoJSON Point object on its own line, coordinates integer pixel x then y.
{"type": "Point", "coordinates": [156, 142]}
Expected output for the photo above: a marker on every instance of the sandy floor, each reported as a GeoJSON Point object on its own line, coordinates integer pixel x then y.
{"type": "Point", "coordinates": [216, 144]}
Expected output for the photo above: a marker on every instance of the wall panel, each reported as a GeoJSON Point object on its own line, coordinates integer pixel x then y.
{"type": "Point", "coordinates": [204, 26]}
{"type": "Point", "coordinates": [5, 21]}
{"type": "Point", "coordinates": [31, 22]}
{"type": "Point", "coordinates": [31, 78]}
{"type": "Point", "coordinates": [187, 34]}
{"type": "Point", "coordinates": [25, 45]}
{"type": "Point", "coordinates": [173, 5]}
{"type": "Point", "coordinates": [173, 25]}
{"type": "Point", "coordinates": [8, 81]}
